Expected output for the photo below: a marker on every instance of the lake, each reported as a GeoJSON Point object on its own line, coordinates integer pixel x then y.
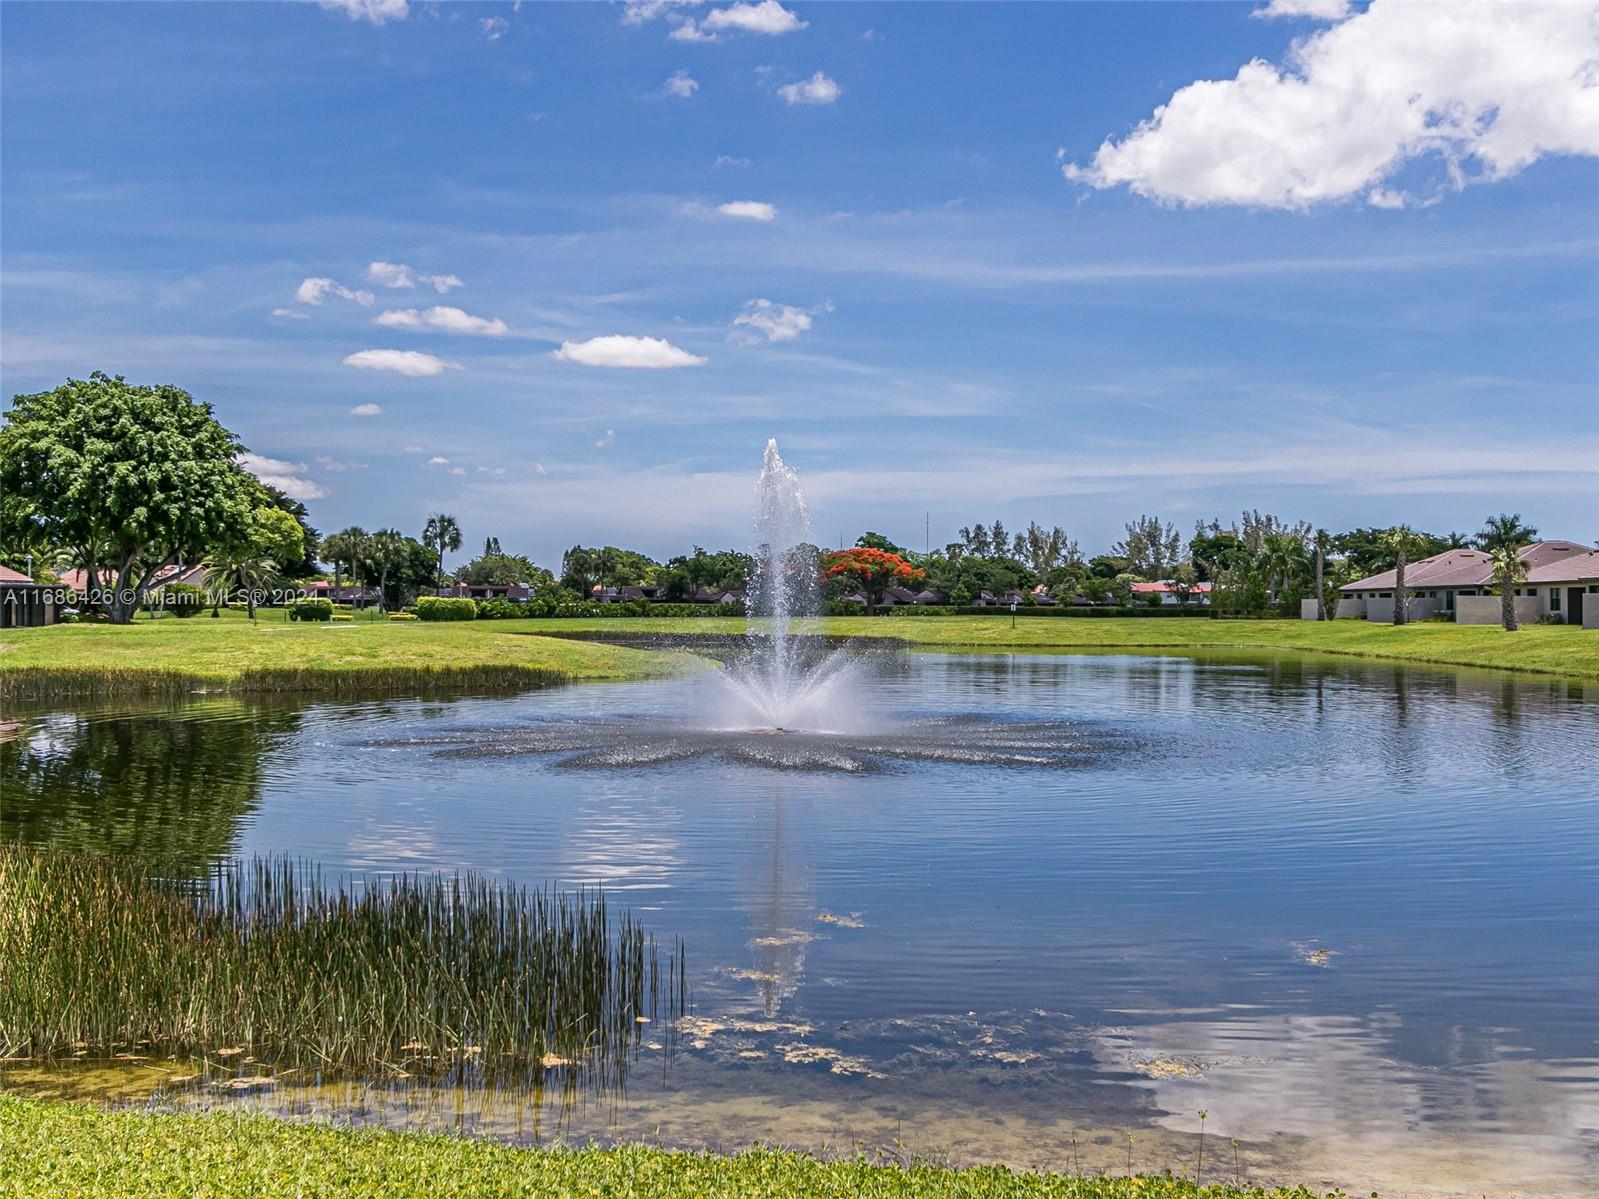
{"type": "Point", "coordinates": [1028, 908]}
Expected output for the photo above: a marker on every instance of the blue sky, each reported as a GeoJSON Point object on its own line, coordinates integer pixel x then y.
{"type": "Point", "coordinates": [987, 293]}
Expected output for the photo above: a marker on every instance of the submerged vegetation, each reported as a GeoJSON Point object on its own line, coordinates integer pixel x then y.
{"type": "Point", "coordinates": [68, 1149]}
{"type": "Point", "coordinates": [105, 956]}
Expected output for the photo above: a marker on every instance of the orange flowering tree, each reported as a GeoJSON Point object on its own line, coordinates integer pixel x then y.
{"type": "Point", "coordinates": [871, 571]}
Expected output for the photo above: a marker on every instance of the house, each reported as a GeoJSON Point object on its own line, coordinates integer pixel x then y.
{"type": "Point", "coordinates": [716, 595]}
{"type": "Point", "coordinates": [1165, 593]}
{"type": "Point", "coordinates": [517, 593]}
{"type": "Point", "coordinates": [928, 596]}
{"type": "Point", "coordinates": [25, 604]}
{"type": "Point", "coordinates": [1043, 598]}
{"type": "Point", "coordinates": [898, 595]}
{"type": "Point", "coordinates": [1561, 575]}
{"type": "Point", "coordinates": [345, 593]}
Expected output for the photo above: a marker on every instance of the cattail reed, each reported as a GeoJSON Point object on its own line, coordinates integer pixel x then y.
{"type": "Point", "coordinates": [462, 974]}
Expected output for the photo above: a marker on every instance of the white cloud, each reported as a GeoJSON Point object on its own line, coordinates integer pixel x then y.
{"type": "Point", "coordinates": [777, 322]}
{"type": "Point", "coordinates": [444, 319]}
{"type": "Point", "coordinates": [401, 362]}
{"type": "Point", "coordinates": [768, 17]}
{"type": "Point", "coordinates": [818, 89]}
{"type": "Point", "coordinates": [493, 28]}
{"type": "Point", "coordinates": [458, 470]}
{"type": "Point", "coordinates": [376, 11]}
{"type": "Point", "coordinates": [367, 410]}
{"type": "Point", "coordinates": [287, 477]}
{"type": "Point", "coordinates": [606, 441]}
{"type": "Point", "coordinates": [1485, 89]}
{"type": "Point", "coordinates": [748, 210]}
{"type": "Point", "coordinates": [291, 314]}
{"type": "Point", "coordinates": [337, 466]}
{"type": "Point", "coordinates": [729, 160]}
{"type": "Point", "coordinates": [637, 12]}
{"type": "Point", "coordinates": [438, 461]}
{"type": "Point", "coordinates": [397, 274]}
{"type": "Point", "coordinates": [640, 353]}
{"type": "Point", "coordinates": [681, 84]}
{"type": "Point", "coordinates": [314, 290]}
{"type": "Point", "coordinates": [390, 274]}
{"type": "Point", "coordinates": [1316, 10]}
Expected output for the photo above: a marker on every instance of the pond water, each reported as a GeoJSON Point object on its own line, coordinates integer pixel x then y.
{"type": "Point", "coordinates": [1034, 909]}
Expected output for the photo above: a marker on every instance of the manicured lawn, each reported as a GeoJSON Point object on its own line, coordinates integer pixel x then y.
{"type": "Point", "coordinates": [1550, 649]}
{"type": "Point", "coordinates": [49, 1148]}
{"type": "Point", "coordinates": [174, 656]}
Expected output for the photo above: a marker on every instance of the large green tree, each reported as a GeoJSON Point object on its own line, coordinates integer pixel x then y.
{"type": "Point", "coordinates": [131, 479]}
{"type": "Point", "coordinates": [444, 535]}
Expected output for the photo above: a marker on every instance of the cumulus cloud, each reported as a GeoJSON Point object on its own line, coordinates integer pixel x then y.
{"type": "Point", "coordinates": [681, 84]}
{"type": "Point", "coordinates": [1481, 89]}
{"type": "Point", "coordinates": [768, 18]}
{"type": "Point", "coordinates": [444, 319]}
{"type": "Point", "coordinates": [438, 461]}
{"type": "Point", "coordinates": [1316, 10]}
{"type": "Point", "coordinates": [378, 12]}
{"type": "Point", "coordinates": [401, 362]}
{"type": "Point", "coordinates": [397, 274]}
{"type": "Point", "coordinates": [639, 353]}
{"type": "Point", "coordinates": [776, 322]}
{"type": "Point", "coordinates": [287, 477]}
{"type": "Point", "coordinates": [315, 290]}
{"type": "Point", "coordinates": [493, 28]}
{"type": "Point", "coordinates": [637, 12]}
{"type": "Point", "coordinates": [729, 160]}
{"type": "Point", "coordinates": [367, 410]}
{"type": "Point", "coordinates": [291, 314]}
{"type": "Point", "coordinates": [818, 89]}
{"type": "Point", "coordinates": [748, 210]}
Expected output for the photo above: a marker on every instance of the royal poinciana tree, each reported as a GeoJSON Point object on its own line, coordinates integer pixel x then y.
{"type": "Point", "coordinates": [872, 571]}
{"type": "Point", "coordinates": [130, 479]}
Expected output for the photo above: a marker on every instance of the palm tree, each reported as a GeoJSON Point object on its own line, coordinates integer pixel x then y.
{"type": "Point", "coordinates": [1509, 570]}
{"type": "Point", "coordinates": [342, 549]}
{"type": "Point", "coordinates": [1401, 539]}
{"type": "Point", "coordinates": [1505, 531]}
{"type": "Point", "coordinates": [1282, 559]}
{"type": "Point", "coordinates": [385, 549]}
{"type": "Point", "coordinates": [444, 534]}
{"type": "Point", "coordinates": [1323, 543]}
{"type": "Point", "coordinates": [250, 569]}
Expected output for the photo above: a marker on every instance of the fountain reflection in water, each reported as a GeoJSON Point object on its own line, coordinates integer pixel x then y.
{"type": "Point", "coordinates": [786, 681]}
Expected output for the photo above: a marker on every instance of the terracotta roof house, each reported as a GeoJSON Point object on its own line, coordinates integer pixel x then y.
{"type": "Point", "coordinates": [1459, 581]}
{"type": "Point", "coordinates": [1198, 593]}
{"type": "Point", "coordinates": [24, 603]}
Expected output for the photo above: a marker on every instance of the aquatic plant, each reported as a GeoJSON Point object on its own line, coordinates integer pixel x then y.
{"type": "Point", "coordinates": [267, 957]}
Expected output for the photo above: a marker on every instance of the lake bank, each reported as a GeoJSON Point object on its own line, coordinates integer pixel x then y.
{"type": "Point", "coordinates": [178, 657]}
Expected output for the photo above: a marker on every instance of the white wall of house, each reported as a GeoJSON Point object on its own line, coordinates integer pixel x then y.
{"type": "Point", "coordinates": [1485, 609]}
{"type": "Point", "coordinates": [1380, 609]}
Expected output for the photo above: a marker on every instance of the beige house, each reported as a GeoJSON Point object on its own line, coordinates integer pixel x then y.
{"type": "Point", "coordinates": [1562, 581]}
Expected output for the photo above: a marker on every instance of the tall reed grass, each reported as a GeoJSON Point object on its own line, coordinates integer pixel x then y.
{"type": "Point", "coordinates": [102, 954]}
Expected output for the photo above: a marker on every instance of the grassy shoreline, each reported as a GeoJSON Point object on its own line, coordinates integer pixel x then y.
{"type": "Point", "coordinates": [172, 657]}
{"type": "Point", "coordinates": [55, 1148]}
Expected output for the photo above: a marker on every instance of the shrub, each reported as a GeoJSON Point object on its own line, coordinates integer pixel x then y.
{"type": "Point", "coordinates": [438, 607]}
{"type": "Point", "coordinates": [343, 616]}
{"type": "Point", "coordinates": [402, 615]}
{"type": "Point", "coordinates": [315, 610]}
{"type": "Point", "coordinates": [182, 599]}
{"type": "Point", "coordinates": [1064, 610]}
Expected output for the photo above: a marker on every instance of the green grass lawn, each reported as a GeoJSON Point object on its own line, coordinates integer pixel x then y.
{"type": "Point", "coordinates": [171, 655]}
{"type": "Point", "coordinates": [1549, 649]}
{"type": "Point", "coordinates": [60, 1149]}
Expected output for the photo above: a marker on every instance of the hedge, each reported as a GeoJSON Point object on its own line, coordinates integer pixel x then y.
{"type": "Point", "coordinates": [436, 607]}
{"type": "Point", "coordinates": [314, 610]}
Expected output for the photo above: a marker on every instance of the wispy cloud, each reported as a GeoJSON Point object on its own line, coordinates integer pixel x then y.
{"type": "Point", "coordinates": [397, 274]}
{"type": "Point", "coordinates": [680, 84]}
{"type": "Point", "coordinates": [367, 410]}
{"type": "Point", "coordinates": [316, 289]}
{"type": "Point", "coordinates": [442, 319]}
{"type": "Point", "coordinates": [776, 322]}
{"type": "Point", "coordinates": [287, 477]}
{"type": "Point", "coordinates": [378, 12]}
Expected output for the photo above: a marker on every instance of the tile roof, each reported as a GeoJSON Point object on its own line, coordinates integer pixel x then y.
{"type": "Point", "coordinates": [1572, 568]}
{"type": "Point", "coordinates": [1472, 568]}
{"type": "Point", "coordinates": [7, 575]}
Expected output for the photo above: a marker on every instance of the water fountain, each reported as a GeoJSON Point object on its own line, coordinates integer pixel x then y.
{"type": "Point", "coordinates": [785, 681]}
